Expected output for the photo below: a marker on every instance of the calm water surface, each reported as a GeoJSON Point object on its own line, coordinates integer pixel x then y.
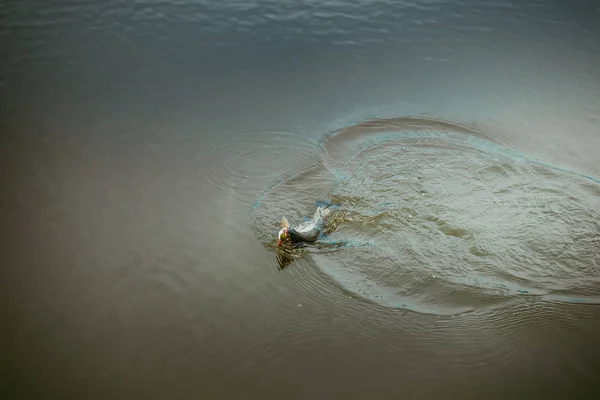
{"type": "Point", "coordinates": [151, 148]}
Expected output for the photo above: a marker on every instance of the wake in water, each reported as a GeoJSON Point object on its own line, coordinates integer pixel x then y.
{"type": "Point", "coordinates": [440, 220]}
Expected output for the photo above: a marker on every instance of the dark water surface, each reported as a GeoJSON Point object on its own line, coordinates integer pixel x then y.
{"type": "Point", "coordinates": [151, 148]}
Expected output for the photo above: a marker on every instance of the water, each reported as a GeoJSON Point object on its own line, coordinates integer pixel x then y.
{"type": "Point", "coordinates": [445, 222]}
{"type": "Point", "coordinates": [151, 148]}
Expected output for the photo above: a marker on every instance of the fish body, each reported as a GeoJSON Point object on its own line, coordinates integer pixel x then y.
{"type": "Point", "coordinates": [308, 231]}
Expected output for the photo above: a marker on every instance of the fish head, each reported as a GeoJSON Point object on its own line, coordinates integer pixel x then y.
{"type": "Point", "coordinates": [283, 233]}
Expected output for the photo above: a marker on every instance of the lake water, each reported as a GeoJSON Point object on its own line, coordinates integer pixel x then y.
{"type": "Point", "coordinates": [151, 148]}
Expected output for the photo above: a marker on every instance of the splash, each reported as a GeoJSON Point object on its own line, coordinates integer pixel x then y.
{"type": "Point", "coordinates": [442, 218]}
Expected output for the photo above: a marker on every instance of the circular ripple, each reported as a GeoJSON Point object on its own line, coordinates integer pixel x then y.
{"type": "Point", "coordinates": [441, 218]}
{"type": "Point", "coordinates": [235, 166]}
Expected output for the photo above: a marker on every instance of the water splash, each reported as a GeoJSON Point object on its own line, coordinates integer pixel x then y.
{"type": "Point", "coordinates": [443, 218]}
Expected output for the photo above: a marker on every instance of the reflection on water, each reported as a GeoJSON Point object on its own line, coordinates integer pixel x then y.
{"type": "Point", "coordinates": [150, 149]}
{"type": "Point", "coordinates": [284, 260]}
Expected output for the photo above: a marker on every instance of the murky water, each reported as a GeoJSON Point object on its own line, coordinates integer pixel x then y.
{"type": "Point", "coordinates": [151, 149]}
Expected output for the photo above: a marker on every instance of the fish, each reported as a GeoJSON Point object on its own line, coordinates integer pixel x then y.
{"type": "Point", "coordinates": [307, 232]}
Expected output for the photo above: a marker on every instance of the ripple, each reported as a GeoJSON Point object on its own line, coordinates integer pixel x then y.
{"type": "Point", "coordinates": [236, 165]}
{"type": "Point", "coordinates": [442, 218]}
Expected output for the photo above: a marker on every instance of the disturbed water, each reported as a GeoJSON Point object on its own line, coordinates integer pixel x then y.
{"type": "Point", "coordinates": [438, 218]}
{"type": "Point", "coordinates": [151, 148]}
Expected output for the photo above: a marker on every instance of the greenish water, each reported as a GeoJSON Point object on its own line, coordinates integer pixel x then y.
{"type": "Point", "coordinates": [150, 148]}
